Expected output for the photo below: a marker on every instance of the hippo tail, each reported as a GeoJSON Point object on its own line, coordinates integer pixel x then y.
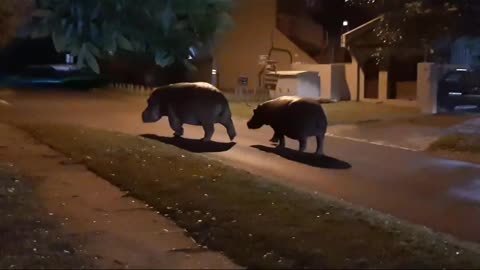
{"type": "Point", "coordinates": [226, 120]}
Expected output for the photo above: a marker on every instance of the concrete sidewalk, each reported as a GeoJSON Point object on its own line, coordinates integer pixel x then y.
{"type": "Point", "coordinates": [400, 136]}
{"type": "Point", "coordinates": [119, 231]}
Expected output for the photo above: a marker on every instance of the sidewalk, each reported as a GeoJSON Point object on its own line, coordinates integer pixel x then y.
{"type": "Point", "coordinates": [31, 239]}
{"type": "Point", "coordinates": [119, 231]}
{"type": "Point", "coordinates": [401, 136]}
{"type": "Point", "coordinates": [415, 134]}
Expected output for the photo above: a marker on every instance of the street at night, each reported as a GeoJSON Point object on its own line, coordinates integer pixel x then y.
{"type": "Point", "coordinates": [277, 134]}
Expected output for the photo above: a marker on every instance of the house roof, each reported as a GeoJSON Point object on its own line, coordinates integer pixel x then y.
{"type": "Point", "coordinates": [347, 37]}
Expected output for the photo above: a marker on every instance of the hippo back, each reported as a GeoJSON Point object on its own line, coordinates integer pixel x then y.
{"type": "Point", "coordinates": [273, 109]}
{"type": "Point", "coordinates": [185, 91]}
{"type": "Point", "coordinates": [192, 102]}
{"type": "Point", "coordinates": [304, 117]}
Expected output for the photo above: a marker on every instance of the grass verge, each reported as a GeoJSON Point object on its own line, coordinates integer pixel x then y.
{"type": "Point", "coordinates": [347, 112]}
{"type": "Point", "coordinates": [458, 142]}
{"type": "Point", "coordinates": [255, 222]}
{"type": "Point", "coordinates": [343, 112]}
{"type": "Point", "coordinates": [29, 239]}
{"type": "Point", "coordinates": [458, 146]}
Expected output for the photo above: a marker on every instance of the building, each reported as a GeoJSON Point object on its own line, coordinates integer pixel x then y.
{"type": "Point", "coordinates": [254, 35]}
{"type": "Point", "coordinates": [300, 35]}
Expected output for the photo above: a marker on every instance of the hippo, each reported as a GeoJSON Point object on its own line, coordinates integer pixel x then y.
{"type": "Point", "coordinates": [295, 117]}
{"type": "Point", "coordinates": [271, 108]}
{"type": "Point", "coordinates": [197, 103]}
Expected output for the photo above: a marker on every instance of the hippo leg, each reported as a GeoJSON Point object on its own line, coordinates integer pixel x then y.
{"type": "Point", "coordinates": [302, 144]}
{"type": "Point", "coordinates": [176, 125]}
{"type": "Point", "coordinates": [281, 141]}
{"type": "Point", "coordinates": [274, 138]}
{"type": "Point", "coordinates": [175, 122]}
{"type": "Point", "coordinates": [209, 129]}
{"type": "Point", "coordinates": [320, 139]}
{"type": "Point", "coordinates": [228, 124]}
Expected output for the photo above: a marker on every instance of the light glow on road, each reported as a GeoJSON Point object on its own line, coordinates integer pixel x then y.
{"type": "Point", "coordinates": [470, 192]}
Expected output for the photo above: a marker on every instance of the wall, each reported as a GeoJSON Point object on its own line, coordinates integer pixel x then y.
{"type": "Point", "coordinates": [238, 51]}
{"type": "Point", "coordinates": [309, 85]}
{"type": "Point", "coordinates": [428, 76]}
{"type": "Point", "coordinates": [340, 86]}
{"type": "Point", "coordinates": [324, 73]}
{"type": "Point", "coordinates": [286, 86]}
{"type": "Point", "coordinates": [406, 90]}
{"type": "Point", "coordinates": [383, 85]}
{"type": "Point", "coordinates": [352, 74]}
{"type": "Point", "coordinates": [337, 81]}
{"type": "Point", "coordinates": [300, 29]}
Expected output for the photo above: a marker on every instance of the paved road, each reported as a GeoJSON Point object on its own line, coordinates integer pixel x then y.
{"type": "Point", "coordinates": [438, 193]}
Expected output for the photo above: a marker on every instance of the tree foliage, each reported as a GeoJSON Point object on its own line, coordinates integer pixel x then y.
{"type": "Point", "coordinates": [13, 14]}
{"type": "Point", "coordinates": [165, 29]}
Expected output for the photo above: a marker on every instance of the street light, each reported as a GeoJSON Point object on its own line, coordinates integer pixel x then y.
{"type": "Point", "coordinates": [345, 26]}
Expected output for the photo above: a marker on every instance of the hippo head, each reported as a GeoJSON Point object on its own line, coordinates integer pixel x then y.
{"type": "Point", "coordinates": [153, 112]}
{"type": "Point", "coordinates": [257, 120]}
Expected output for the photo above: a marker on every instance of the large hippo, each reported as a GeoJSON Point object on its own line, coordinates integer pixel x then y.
{"type": "Point", "coordinates": [198, 103]}
{"type": "Point", "coordinates": [294, 117]}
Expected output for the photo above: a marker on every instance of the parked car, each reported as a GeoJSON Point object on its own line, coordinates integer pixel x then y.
{"type": "Point", "coordinates": [459, 87]}
{"type": "Point", "coordinates": [56, 76]}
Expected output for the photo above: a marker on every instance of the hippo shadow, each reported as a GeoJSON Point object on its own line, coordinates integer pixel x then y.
{"type": "Point", "coordinates": [324, 162]}
{"type": "Point", "coordinates": [192, 145]}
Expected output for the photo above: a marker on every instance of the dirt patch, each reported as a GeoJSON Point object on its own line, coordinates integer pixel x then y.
{"type": "Point", "coordinates": [255, 222]}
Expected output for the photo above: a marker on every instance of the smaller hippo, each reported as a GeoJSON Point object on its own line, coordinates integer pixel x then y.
{"type": "Point", "coordinates": [271, 108]}
{"type": "Point", "coordinates": [200, 104]}
{"type": "Point", "coordinates": [295, 117]}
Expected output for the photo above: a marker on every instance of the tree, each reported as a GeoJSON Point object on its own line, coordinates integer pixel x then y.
{"type": "Point", "coordinates": [13, 14]}
{"type": "Point", "coordinates": [406, 22]}
{"type": "Point", "coordinates": [423, 23]}
{"type": "Point", "coordinates": [165, 29]}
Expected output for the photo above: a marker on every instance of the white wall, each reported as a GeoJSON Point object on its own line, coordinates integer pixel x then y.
{"type": "Point", "coordinates": [337, 81]}
{"type": "Point", "coordinates": [324, 74]}
{"type": "Point", "coordinates": [286, 86]}
{"type": "Point", "coordinates": [428, 77]}
{"type": "Point", "coordinates": [353, 79]}
{"type": "Point", "coordinates": [309, 86]}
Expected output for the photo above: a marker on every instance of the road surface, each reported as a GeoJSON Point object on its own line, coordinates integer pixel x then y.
{"type": "Point", "coordinates": [438, 193]}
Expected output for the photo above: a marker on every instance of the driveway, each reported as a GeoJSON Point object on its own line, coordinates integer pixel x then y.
{"type": "Point", "coordinates": [414, 186]}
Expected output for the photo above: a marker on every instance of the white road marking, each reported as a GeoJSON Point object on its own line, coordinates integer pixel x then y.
{"type": "Point", "coordinates": [385, 144]}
